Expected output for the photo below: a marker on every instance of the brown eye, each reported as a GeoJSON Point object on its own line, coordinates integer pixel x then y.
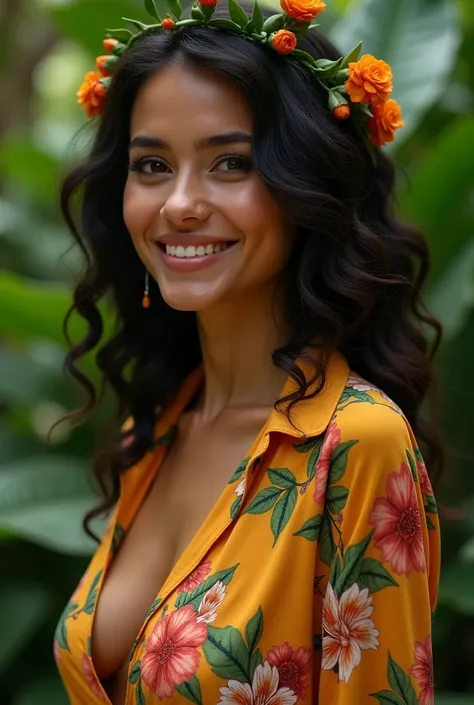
{"type": "Point", "coordinates": [233, 162]}
{"type": "Point", "coordinates": [149, 165]}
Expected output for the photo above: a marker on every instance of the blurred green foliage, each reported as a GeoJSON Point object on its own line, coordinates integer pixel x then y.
{"type": "Point", "coordinates": [45, 48]}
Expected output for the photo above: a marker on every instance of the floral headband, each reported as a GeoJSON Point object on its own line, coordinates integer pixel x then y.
{"type": "Point", "coordinates": [357, 87]}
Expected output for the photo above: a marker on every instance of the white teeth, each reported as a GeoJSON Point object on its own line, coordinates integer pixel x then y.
{"type": "Point", "coordinates": [191, 251]}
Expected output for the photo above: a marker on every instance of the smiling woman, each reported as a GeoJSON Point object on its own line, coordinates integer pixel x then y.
{"type": "Point", "coordinates": [271, 508]}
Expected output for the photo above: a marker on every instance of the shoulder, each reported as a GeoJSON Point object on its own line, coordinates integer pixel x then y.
{"type": "Point", "coordinates": [366, 414]}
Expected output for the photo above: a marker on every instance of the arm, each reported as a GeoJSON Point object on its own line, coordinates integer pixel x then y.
{"type": "Point", "coordinates": [379, 547]}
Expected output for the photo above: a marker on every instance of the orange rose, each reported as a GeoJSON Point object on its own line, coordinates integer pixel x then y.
{"type": "Point", "coordinates": [284, 41]}
{"type": "Point", "coordinates": [110, 44]}
{"type": "Point", "coordinates": [341, 112]}
{"type": "Point", "coordinates": [387, 119]}
{"type": "Point", "coordinates": [303, 10]}
{"type": "Point", "coordinates": [91, 95]}
{"type": "Point", "coordinates": [370, 80]}
{"type": "Point", "coordinates": [100, 63]}
{"type": "Point", "coordinates": [167, 23]}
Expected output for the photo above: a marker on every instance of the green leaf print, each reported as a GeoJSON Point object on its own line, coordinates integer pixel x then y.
{"type": "Point", "coordinates": [307, 445]}
{"type": "Point", "coordinates": [418, 455]}
{"type": "Point", "coordinates": [256, 660]}
{"type": "Point", "coordinates": [117, 538]}
{"type": "Point", "coordinates": [235, 508]}
{"type": "Point", "coordinates": [132, 650]}
{"type": "Point", "coordinates": [282, 512]}
{"type": "Point", "coordinates": [429, 523]}
{"type": "Point", "coordinates": [335, 570]}
{"type": "Point", "coordinates": [386, 697]}
{"type": "Point", "coordinates": [165, 438]}
{"type": "Point", "coordinates": [336, 498]}
{"type": "Point", "coordinates": [339, 461]}
{"type": "Point", "coordinates": [282, 477]}
{"type": "Point", "coordinates": [264, 500]}
{"type": "Point", "coordinates": [226, 653]}
{"type": "Point", "coordinates": [139, 694]}
{"type": "Point", "coordinates": [360, 396]}
{"type": "Point", "coordinates": [135, 672]}
{"type": "Point", "coordinates": [191, 690]}
{"type": "Point", "coordinates": [311, 528]}
{"type": "Point", "coordinates": [92, 595]}
{"type": "Point", "coordinates": [327, 545]}
{"type": "Point", "coordinates": [351, 565]}
{"type": "Point", "coordinates": [374, 576]}
{"type": "Point", "coordinates": [412, 464]}
{"type": "Point", "coordinates": [400, 682]}
{"type": "Point", "coordinates": [240, 470]}
{"type": "Point", "coordinates": [313, 459]}
{"type": "Point", "coordinates": [431, 505]}
{"type": "Point", "coordinates": [194, 598]}
{"type": "Point", "coordinates": [254, 630]}
{"type": "Point", "coordinates": [61, 630]}
{"type": "Point", "coordinates": [153, 607]}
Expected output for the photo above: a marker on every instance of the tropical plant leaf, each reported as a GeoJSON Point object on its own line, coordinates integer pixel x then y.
{"type": "Point", "coordinates": [226, 653]}
{"type": "Point", "coordinates": [311, 528]}
{"type": "Point", "coordinates": [282, 512]}
{"type": "Point", "coordinates": [339, 461]}
{"type": "Point", "coordinates": [240, 470]}
{"type": "Point", "coordinates": [336, 498]}
{"type": "Point", "coordinates": [374, 576]}
{"type": "Point", "coordinates": [351, 565]}
{"type": "Point", "coordinates": [327, 545]}
{"type": "Point", "coordinates": [191, 690]}
{"type": "Point", "coordinates": [254, 630]}
{"type": "Point", "coordinates": [400, 682]}
{"type": "Point", "coordinates": [282, 477]}
{"type": "Point", "coordinates": [264, 500]}
{"type": "Point", "coordinates": [195, 597]}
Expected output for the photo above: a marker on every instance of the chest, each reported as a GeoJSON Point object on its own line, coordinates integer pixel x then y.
{"type": "Point", "coordinates": [190, 480]}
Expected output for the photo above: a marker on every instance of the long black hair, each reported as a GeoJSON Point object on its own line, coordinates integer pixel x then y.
{"type": "Point", "coordinates": [354, 276]}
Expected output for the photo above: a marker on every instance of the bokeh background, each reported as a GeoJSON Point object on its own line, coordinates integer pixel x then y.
{"type": "Point", "coordinates": [45, 48]}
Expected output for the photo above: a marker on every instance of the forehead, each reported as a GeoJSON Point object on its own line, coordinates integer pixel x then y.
{"type": "Point", "coordinates": [189, 102]}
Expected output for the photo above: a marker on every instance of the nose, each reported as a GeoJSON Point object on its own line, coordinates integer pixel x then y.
{"type": "Point", "coordinates": [185, 202]}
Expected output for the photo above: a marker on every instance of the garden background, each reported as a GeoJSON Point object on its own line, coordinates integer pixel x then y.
{"type": "Point", "coordinates": [45, 48]}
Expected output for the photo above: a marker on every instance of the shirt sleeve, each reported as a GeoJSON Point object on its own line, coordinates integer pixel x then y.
{"type": "Point", "coordinates": [378, 562]}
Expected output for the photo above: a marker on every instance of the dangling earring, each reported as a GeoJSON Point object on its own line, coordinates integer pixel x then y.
{"type": "Point", "coordinates": [146, 295]}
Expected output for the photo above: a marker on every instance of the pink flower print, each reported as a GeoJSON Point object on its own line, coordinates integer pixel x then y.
{"type": "Point", "coordinates": [90, 677]}
{"type": "Point", "coordinates": [422, 670]}
{"type": "Point", "coordinates": [331, 441]}
{"type": "Point", "coordinates": [263, 691]}
{"type": "Point", "coordinates": [171, 651]}
{"type": "Point", "coordinates": [212, 600]}
{"type": "Point", "coordinates": [196, 578]}
{"type": "Point", "coordinates": [293, 666]}
{"type": "Point", "coordinates": [348, 629]}
{"type": "Point", "coordinates": [425, 482]}
{"type": "Point", "coordinates": [397, 524]}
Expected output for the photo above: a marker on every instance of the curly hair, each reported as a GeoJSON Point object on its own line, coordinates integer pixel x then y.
{"type": "Point", "coordinates": [352, 282]}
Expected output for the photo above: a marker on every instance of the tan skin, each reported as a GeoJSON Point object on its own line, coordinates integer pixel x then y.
{"type": "Point", "coordinates": [188, 188]}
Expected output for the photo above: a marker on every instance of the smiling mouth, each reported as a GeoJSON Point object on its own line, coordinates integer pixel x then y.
{"type": "Point", "coordinates": [190, 251]}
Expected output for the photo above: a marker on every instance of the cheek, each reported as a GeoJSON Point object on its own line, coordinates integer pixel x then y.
{"type": "Point", "coordinates": [139, 209]}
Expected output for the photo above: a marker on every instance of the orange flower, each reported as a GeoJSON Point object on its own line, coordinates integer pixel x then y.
{"type": "Point", "coordinates": [100, 63]}
{"type": "Point", "coordinates": [341, 112]}
{"type": "Point", "coordinates": [387, 119]}
{"type": "Point", "coordinates": [370, 80]}
{"type": "Point", "coordinates": [303, 10]}
{"type": "Point", "coordinates": [110, 44]}
{"type": "Point", "coordinates": [208, 2]}
{"type": "Point", "coordinates": [284, 41]}
{"type": "Point", "coordinates": [91, 95]}
{"type": "Point", "coordinates": [167, 23]}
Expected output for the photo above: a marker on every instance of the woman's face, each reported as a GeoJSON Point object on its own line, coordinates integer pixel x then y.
{"type": "Point", "coordinates": [201, 219]}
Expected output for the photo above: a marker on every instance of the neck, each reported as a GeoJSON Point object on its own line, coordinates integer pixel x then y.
{"type": "Point", "coordinates": [237, 341]}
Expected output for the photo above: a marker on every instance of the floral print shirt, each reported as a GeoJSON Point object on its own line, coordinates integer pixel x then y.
{"type": "Point", "coordinates": [312, 580]}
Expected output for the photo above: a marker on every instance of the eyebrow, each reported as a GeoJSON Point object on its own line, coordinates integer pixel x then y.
{"type": "Point", "coordinates": [202, 143]}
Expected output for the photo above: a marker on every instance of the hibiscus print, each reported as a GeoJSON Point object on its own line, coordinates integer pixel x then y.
{"type": "Point", "coordinates": [171, 652]}
{"type": "Point", "coordinates": [397, 524]}
{"type": "Point", "coordinates": [331, 441]}
{"type": "Point", "coordinates": [347, 629]}
{"type": "Point", "coordinates": [293, 666]}
{"type": "Point", "coordinates": [425, 482]}
{"type": "Point", "coordinates": [212, 600]}
{"type": "Point", "coordinates": [264, 690]}
{"type": "Point", "coordinates": [422, 670]}
{"type": "Point", "coordinates": [196, 578]}
{"type": "Point", "coordinates": [90, 677]}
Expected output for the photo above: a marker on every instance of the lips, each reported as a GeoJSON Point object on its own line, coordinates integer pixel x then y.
{"type": "Point", "coordinates": [191, 258]}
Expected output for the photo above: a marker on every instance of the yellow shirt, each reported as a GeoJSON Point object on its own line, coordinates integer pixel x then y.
{"type": "Point", "coordinates": [312, 580]}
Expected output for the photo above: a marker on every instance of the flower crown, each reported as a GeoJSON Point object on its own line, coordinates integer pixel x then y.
{"type": "Point", "coordinates": [357, 87]}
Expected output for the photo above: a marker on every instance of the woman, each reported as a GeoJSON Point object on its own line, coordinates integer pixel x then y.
{"type": "Point", "coordinates": [274, 538]}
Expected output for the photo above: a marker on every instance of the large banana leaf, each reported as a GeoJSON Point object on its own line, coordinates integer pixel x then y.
{"type": "Point", "coordinates": [419, 38]}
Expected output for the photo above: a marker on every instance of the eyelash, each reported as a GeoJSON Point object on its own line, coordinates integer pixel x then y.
{"type": "Point", "coordinates": [138, 162]}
